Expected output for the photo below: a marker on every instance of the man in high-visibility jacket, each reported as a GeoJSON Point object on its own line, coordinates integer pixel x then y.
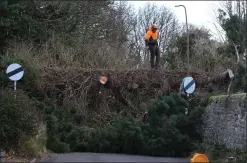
{"type": "Point", "coordinates": [152, 43]}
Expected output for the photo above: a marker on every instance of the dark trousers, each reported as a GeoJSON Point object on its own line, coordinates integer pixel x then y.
{"type": "Point", "coordinates": [154, 53]}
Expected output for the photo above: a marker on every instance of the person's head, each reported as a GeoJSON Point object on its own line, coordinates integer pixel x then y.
{"type": "Point", "coordinates": [154, 27]}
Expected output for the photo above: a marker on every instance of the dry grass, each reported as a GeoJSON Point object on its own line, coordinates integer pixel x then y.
{"type": "Point", "coordinates": [58, 55]}
{"type": "Point", "coordinates": [204, 58]}
{"type": "Point", "coordinates": [103, 56]}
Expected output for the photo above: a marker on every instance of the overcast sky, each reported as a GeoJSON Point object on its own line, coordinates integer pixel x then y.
{"type": "Point", "coordinates": [200, 13]}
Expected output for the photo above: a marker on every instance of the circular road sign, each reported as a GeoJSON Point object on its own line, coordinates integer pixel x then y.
{"type": "Point", "coordinates": [189, 85]}
{"type": "Point", "coordinates": [15, 72]}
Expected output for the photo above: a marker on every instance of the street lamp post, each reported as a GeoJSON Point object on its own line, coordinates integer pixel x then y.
{"type": "Point", "coordinates": [246, 50]}
{"type": "Point", "coordinates": [188, 39]}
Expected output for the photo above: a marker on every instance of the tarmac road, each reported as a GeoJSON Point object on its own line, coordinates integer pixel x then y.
{"type": "Point", "coordinates": [102, 157]}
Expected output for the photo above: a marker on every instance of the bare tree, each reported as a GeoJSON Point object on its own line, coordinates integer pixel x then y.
{"type": "Point", "coordinates": [146, 16]}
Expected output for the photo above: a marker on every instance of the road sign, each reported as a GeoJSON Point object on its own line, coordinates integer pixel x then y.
{"type": "Point", "coordinates": [15, 72]}
{"type": "Point", "coordinates": [189, 85]}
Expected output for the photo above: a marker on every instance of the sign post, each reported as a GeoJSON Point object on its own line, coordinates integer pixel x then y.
{"type": "Point", "coordinates": [15, 72]}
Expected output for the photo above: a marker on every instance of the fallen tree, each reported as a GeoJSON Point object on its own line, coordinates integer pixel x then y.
{"type": "Point", "coordinates": [75, 82]}
{"type": "Point", "coordinates": [126, 92]}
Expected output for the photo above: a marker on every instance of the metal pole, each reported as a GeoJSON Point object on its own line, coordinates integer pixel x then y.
{"type": "Point", "coordinates": [15, 88]}
{"type": "Point", "coordinates": [188, 39]}
{"type": "Point", "coordinates": [246, 48]}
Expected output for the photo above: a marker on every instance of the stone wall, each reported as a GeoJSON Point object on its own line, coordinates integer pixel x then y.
{"type": "Point", "coordinates": [224, 121]}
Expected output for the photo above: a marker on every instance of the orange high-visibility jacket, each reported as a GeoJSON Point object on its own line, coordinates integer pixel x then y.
{"type": "Point", "coordinates": [151, 37]}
